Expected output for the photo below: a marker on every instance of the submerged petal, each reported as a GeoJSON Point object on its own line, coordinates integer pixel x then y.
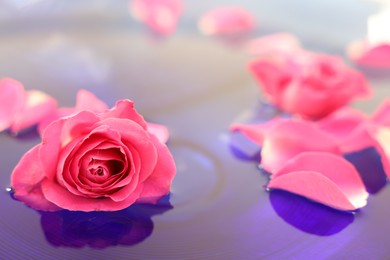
{"type": "Point", "coordinates": [322, 177]}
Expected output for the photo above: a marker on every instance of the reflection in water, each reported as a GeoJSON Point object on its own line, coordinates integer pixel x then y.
{"type": "Point", "coordinates": [309, 216]}
{"type": "Point", "coordinates": [369, 165]}
{"type": "Point", "coordinates": [102, 229]}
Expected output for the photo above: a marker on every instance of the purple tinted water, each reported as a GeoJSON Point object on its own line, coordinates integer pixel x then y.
{"type": "Point", "coordinates": [220, 208]}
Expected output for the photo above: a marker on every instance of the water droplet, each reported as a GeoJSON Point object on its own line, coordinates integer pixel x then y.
{"type": "Point", "coordinates": [9, 189]}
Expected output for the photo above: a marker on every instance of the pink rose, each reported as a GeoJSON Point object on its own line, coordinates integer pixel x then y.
{"type": "Point", "coordinates": [226, 20]}
{"type": "Point", "coordinates": [95, 161]}
{"type": "Point", "coordinates": [159, 15]}
{"type": "Point", "coordinates": [308, 84]}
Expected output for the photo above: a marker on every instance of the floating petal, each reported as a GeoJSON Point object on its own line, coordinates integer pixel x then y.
{"type": "Point", "coordinates": [323, 177]}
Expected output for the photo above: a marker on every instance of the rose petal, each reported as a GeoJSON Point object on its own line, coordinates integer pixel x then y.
{"type": "Point", "coordinates": [271, 79]}
{"type": "Point", "coordinates": [226, 20]}
{"type": "Point", "coordinates": [25, 181]}
{"type": "Point", "coordinates": [288, 138]}
{"type": "Point", "coordinates": [160, 15]}
{"type": "Point", "coordinates": [12, 100]}
{"type": "Point", "coordinates": [256, 132]}
{"type": "Point", "coordinates": [268, 44]}
{"type": "Point", "coordinates": [125, 109]}
{"type": "Point", "coordinates": [64, 199]}
{"type": "Point", "coordinates": [364, 54]}
{"type": "Point", "coordinates": [382, 115]}
{"type": "Point", "coordinates": [159, 182]}
{"type": "Point", "coordinates": [59, 134]}
{"type": "Point", "coordinates": [323, 177]}
{"type": "Point", "coordinates": [37, 108]}
{"type": "Point", "coordinates": [382, 136]}
{"type": "Point", "coordinates": [160, 131]}
{"type": "Point", "coordinates": [342, 122]}
{"type": "Point", "coordinates": [88, 101]}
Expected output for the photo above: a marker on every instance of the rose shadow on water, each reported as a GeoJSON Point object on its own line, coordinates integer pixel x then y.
{"type": "Point", "coordinates": [309, 216]}
{"type": "Point", "coordinates": [369, 165]}
{"type": "Point", "coordinates": [101, 229]}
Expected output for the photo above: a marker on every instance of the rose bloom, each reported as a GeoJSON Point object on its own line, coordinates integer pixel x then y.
{"type": "Point", "coordinates": [93, 161]}
{"type": "Point", "coordinates": [308, 84]}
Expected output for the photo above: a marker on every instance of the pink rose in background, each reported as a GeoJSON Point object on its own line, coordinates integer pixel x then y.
{"type": "Point", "coordinates": [92, 161]}
{"type": "Point", "coordinates": [160, 15]}
{"type": "Point", "coordinates": [269, 44]}
{"type": "Point", "coordinates": [308, 84]}
{"type": "Point", "coordinates": [226, 20]}
{"type": "Point", "coordinates": [21, 109]}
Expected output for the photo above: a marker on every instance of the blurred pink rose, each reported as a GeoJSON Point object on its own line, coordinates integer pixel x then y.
{"type": "Point", "coordinates": [21, 109]}
{"type": "Point", "coordinates": [308, 84]}
{"type": "Point", "coordinates": [160, 15]}
{"type": "Point", "coordinates": [226, 20]}
{"type": "Point", "coordinates": [92, 161]}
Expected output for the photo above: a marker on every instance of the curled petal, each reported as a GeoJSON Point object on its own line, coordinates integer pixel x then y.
{"type": "Point", "coordinates": [37, 108]}
{"type": "Point", "coordinates": [382, 115]}
{"type": "Point", "coordinates": [226, 20]}
{"type": "Point", "coordinates": [364, 54]}
{"type": "Point", "coordinates": [256, 132]}
{"type": "Point", "coordinates": [322, 177]}
{"type": "Point", "coordinates": [160, 15]}
{"type": "Point", "coordinates": [88, 101]}
{"type": "Point", "coordinates": [12, 100]}
{"type": "Point", "coordinates": [26, 179]}
{"type": "Point", "coordinates": [160, 131]}
{"type": "Point", "coordinates": [159, 182]}
{"type": "Point", "coordinates": [263, 46]}
{"type": "Point", "coordinates": [125, 109]}
{"type": "Point", "coordinates": [288, 138]}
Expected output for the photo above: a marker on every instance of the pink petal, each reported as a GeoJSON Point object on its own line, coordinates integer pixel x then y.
{"type": "Point", "coordinates": [66, 200]}
{"type": "Point", "coordinates": [38, 107]}
{"type": "Point", "coordinates": [382, 136]}
{"type": "Point", "coordinates": [288, 138]}
{"type": "Point", "coordinates": [85, 100]}
{"type": "Point", "coordinates": [160, 15]}
{"type": "Point", "coordinates": [226, 20]}
{"type": "Point", "coordinates": [265, 45]}
{"type": "Point", "coordinates": [159, 183]}
{"type": "Point", "coordinates": [12, 100]}
{"type": "Point", "coordinates": [125, 109]}
{"type": "Point", "coordinates": [160, 131]}
{"type": "Point", "coordinates": [256, 133]}
{"type": "Point", "coordinates": [88, 101]}
{"type": "Point", "coordinates": [26, 178]}
{"type": "Point", "coordinates": [382, 115]}
{"type": "Point", "coordinates": [342, 122]}
{"type": "Point", "coordinates": [323, 177]}
{"type": "Point", "coordinates": [271, 79]}
{"type": "Point", "coordinates": [376, 56]}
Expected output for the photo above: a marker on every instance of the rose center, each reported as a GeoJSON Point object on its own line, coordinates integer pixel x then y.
{"type": "Point", "coordinates": [97, 171]}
